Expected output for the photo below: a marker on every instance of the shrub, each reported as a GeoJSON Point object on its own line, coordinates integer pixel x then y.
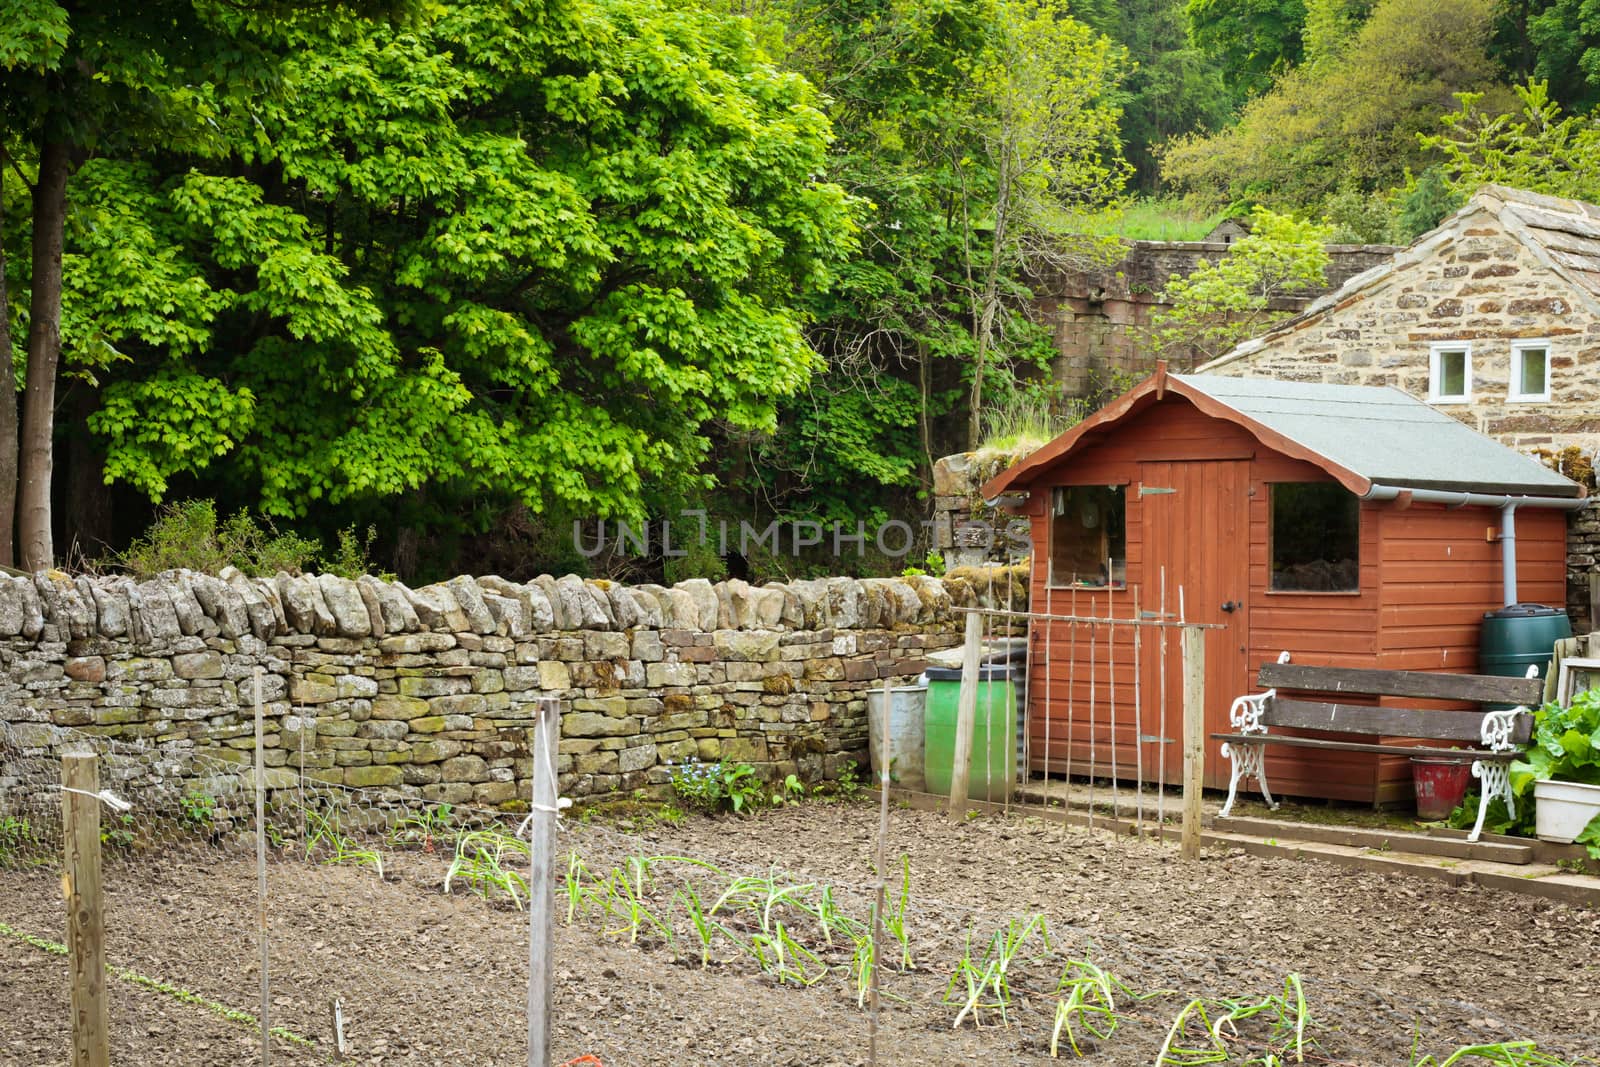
{"type": "Point", "coordinates": [353, 557]}
{"type": "Point", "coordinates": [186, 534]}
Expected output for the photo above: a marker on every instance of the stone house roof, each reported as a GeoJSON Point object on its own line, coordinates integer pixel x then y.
{"type": "Point", "coordinates": [1561, 234]}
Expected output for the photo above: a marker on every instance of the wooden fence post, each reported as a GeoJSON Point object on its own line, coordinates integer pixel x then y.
{"type": "Point", "coordinates": [885, 758]}
{"type": "Point", "coordinates": [1194, 737]}
{"type": "Point", "coordinates": [541, 881]}
{"type": "Point", "coordinates": [966, 712]}
{"type": "Point", "coordinates": [261, 875]}
{"type": "Point", "coordinates": [86, 929]}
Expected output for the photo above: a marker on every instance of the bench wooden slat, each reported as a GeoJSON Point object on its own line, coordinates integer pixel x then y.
{"type": "Point", "coordinates": [1483, 688]}
{"type": "Point", "coordinates": [1389, 722]}
{"type": "Point", "coordinates": [1356, 746]}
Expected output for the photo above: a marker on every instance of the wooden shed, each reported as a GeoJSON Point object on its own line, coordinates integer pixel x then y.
{"type": "Point", "coordinates": [1348, 525]}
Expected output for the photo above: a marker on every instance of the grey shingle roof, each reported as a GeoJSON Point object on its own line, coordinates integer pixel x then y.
{"type": "Point", "coordinates": [1384, 435]}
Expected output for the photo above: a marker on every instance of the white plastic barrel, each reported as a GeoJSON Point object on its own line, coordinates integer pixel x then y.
{"type": "Point", "coordinates": [906, 706]}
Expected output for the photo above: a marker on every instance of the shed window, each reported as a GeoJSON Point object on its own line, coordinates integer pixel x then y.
{"type": "Point", "coordinates": [1088, 536]}
{"type": "Point", "coordinates": [1315, 539]}
{"type": "Point", "coordinates": [1449, 373]}
{"type": "Point", "coordinates": [1530, 371]}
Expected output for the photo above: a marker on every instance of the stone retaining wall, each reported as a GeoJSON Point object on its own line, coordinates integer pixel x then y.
{"type": "Point", "coordinates": [429, 690]}
{"type": "Point", "coordinates": [1583, 550]}
{"type": "Point", "coordinates": [1101, 317]}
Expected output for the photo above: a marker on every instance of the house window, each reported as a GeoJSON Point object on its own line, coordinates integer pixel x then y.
{"type": "Point", "coordinates": [1530, 371]}
{"type": "Point", "coordinates": [1450, 374]}
{"type": "Point", "coordinates": [1088, 536]}
{"type": "Point", "coordinates": [1315, 538]}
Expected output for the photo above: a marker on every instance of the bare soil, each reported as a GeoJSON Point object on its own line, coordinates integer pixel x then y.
{"type": "Point", "coordinates": [426, 978]}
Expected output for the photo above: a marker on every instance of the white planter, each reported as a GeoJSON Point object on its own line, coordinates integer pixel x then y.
{"type": "Point", "coordinates": [1563, 809]}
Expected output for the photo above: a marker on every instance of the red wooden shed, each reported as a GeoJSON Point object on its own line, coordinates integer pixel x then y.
{"type": "Point", "coordinates": [1348, 525]}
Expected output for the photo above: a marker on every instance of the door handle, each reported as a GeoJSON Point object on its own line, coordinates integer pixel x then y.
{"type": "Point", "coordinates": [1230, 606]}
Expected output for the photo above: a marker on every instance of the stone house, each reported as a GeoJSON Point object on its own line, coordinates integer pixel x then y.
{"type": "Point", "coordinates": [1493, 317]}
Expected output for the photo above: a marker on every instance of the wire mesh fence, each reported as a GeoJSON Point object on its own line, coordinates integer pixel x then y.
{"type": "Point", "coordinates": [404, 919]}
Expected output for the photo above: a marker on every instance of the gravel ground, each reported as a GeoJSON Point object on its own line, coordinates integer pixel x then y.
{"type": "Point", "coordinates": [427, 978]}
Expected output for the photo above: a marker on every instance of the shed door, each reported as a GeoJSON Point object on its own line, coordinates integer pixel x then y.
{"type": "Point", "coordinates": [1199, 533]}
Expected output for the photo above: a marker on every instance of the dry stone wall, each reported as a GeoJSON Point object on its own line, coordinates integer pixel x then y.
{"type": "Point", "coordinates": [1583, 568]}
{"type": "Point", "coordinates": [1101, 317]}
{"type": "Point", "coordinates": [430, 690]}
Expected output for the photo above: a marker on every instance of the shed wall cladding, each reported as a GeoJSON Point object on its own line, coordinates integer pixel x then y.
{"type": "Point", "coordinates": [1210, 537]}
{"type": "Point", "coordinates": [1481, 286]}
{"type": "Point", "coordinates": [1426, 575]}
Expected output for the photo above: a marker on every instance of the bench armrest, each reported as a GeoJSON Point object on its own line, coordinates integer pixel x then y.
{"type": "Point", "coordinates": [1246, 712]}
{"type": "Point", "coordinates": [1498, 727]}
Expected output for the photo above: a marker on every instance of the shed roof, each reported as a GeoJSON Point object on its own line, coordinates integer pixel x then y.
{"type": "Point", "coordinates": [1361, 435]}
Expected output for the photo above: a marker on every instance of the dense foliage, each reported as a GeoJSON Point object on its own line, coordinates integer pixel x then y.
{"type": "Point", "coordinates": [1353, 119]}
{"type": "Point", "coordinates": [488, 253]}
{"type": "Point", "coordinates": [467, 271]}
{"type": "Point", "coordinates": [975, 133]}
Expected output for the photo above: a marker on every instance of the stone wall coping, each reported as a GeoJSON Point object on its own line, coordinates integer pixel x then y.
{"type": "Point", "coordinates": [154, 612]}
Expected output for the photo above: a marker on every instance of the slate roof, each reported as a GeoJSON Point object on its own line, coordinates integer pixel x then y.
{"type": "Point", "coordinates": [1567, 231]}
{"type": "Point", "coordinates": [1562, 234]}
{"type": "Point", "coordinates": [1362, 435]}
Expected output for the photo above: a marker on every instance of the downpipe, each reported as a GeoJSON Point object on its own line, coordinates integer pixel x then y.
{"type": "Point", "coordinates": [1508, 506]}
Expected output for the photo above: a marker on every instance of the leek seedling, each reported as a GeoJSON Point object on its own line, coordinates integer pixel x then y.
{"type": "Point", "coordinates": [482, 860]}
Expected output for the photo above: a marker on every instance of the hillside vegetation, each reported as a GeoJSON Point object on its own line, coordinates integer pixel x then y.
{"type": "Point", "coordinates": [467, 272]}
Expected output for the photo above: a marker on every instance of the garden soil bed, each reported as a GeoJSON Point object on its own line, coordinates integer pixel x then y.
{"type": "Point", "coordinates": [426, 978]}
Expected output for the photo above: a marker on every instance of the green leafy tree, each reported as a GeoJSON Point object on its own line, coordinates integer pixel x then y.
{"type": "Point", "coordinates": [1555, 41]}
{"type": "Point", "coordinates": [1048, 128]}
{"type": "Point", "coordinates": [1253, 40]}
{"type": "Point", "coordinates": [1170, 87]}
{"type": "Point", "coordinates": [1422, 202]}
{"type": "Point", "coordinates": [1220, 304]}
{"type": "Point", "coordinates": [1538, 148]}
{"type": "Point", "coordinates": [500, 254]}
{"type": "Point", "coordinates": [92, 81]}
{"type": "Point", "coordinates": [971, 146]}
{"type": "Point", "coordinates": [1351, 121]}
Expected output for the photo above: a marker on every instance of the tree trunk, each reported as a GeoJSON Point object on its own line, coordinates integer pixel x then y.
{"type": "Point", "coordinates": [8, 411]}
{"type": "Point", "coordinates": [44, 357]}
{"type": "Point", "coordinates": [989, 306]}
{"type": "Point", "coordinates": [924, 426]}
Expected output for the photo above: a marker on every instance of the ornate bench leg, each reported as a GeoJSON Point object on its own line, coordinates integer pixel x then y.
{"type": "Point", "coordinates": [1261, 776]}
{"type": "Point", "coordinates": [1249, 761]}
{"type": "Point", "coordinates": [1494, 775]}
{"type": "Point", "coordinates": [1235, 758]}
{"type": "Point", "coordinates": [1494, 780]}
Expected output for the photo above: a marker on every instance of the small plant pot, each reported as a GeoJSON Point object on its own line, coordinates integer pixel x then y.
{"type": "Point", "coordinates": [1563, 809]}
{"type": "Point", "coordinates": [1440, 783]}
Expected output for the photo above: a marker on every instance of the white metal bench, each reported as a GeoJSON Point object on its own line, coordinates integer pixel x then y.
{"type": "Point", "coordinates": [1501, 734]}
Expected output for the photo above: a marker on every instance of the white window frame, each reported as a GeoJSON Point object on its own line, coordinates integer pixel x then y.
{"type": "Point", "coordinates": [1519, 352]}
{"type": "Point", "coordinates": [1437, 349]}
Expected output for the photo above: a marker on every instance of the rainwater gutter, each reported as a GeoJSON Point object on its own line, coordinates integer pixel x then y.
{"type": "Point", "coordinates": [1507, 504]}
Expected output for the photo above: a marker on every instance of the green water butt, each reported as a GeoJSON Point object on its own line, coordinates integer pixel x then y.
{"type": "Point", "coordinates": [993, 767]}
